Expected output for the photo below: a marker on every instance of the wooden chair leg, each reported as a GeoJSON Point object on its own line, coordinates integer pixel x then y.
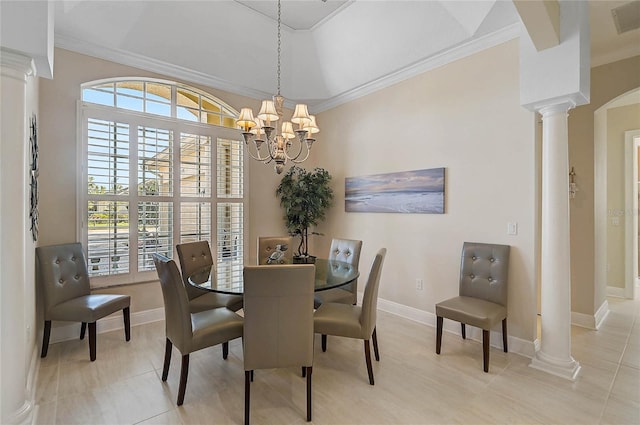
{"type": "Point", "coordinates": [439, 321]}
{"type": "Point", "coordinates": [367, 357]}
{"type": "Point", "coordinates": [126, 314]}
{"type": "Point", "coordinates": [504, 335]}
{"type": "Point", "coordinates": [167, 359]}
{"type": "Point", "coordinates": [324, 343]}
{"type": "Point", "coordinates": [485, 349]}
{"type": "Point", "coordinates": [83, 329]}
{"type": "Point", "coordinates": [45, 338]}
{"type": "Point", "coordinates": [92, 341]}
{"type": "Point", "coordinates": [225, 350]}
{"type": "Point", "coordinates": [247, 394]}
{"type": "Point", "coordinates": [308, 370]}
{"type": "Point", "coordinates": [464, 330]}
{"type": "Point", "coordinates": [184, 373]}
{"type": "Point", "coordinates": [374, 337]}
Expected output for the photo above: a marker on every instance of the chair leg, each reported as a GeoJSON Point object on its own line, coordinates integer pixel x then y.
{"type": "Point", "coordinates": [184, 372]}
{"type": "Point", "coordinates": [92, 341]}
{"type": "Point", "coordinates": [126, 314]}
{"type": "Point", "coordinates": [504, 335]}
{"type": "Point", "coordinates": [167, 359]}
{"type": "Point", "coordinates": [324, 343]}
{"type": "Point", "coordinates": [367, 357]}
{"type": "Point", "coordinates": [309, 370]}
{"type": "Point", "coordinates": [485, 349]}
{"type": "Point", "coordinates": [439, 321]}
{"type": "Point", "coordinates": [45, 338]}
{"type": "Point", "coordinates": [464, 330]}
{"type": "Point", "coordinates": [225, 350]}
{"type": "Point", "coordinates": [247, 394]}
{"type": "Point", "coordinates": [83, 329]}
{"type": "Point", "coordinates": [374, 337]}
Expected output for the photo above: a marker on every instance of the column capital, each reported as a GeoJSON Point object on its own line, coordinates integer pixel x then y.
{"type": "Point", "coordinates": [15, 65]}
{"type": "Point", "coordinates": [555, 108]}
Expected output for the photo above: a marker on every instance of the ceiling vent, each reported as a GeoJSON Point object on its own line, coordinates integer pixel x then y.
{"type": "Point", "coordinates": [627, 16]}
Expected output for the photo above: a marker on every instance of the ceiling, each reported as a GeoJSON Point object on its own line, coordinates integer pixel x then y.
{"type": "Point", "coordinates": [332, 51]}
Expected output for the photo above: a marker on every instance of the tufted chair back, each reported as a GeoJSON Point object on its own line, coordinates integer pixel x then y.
{"type": "Point", "coordinates": [193, 257]}
{"type": "Point", "coordinates": [346, 250]}
{"type": "Point", "coordinates": [62, 274]}
{"type": "Point", "coordinates": [267, 245]}
{"type": "Point", "coordinates": [484, 271]}
{"type": "Point", "coordinates": [176, 304]}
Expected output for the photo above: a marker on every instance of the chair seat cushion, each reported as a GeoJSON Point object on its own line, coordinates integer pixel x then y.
{"type": "Point", "coordinates": [212, 327]}
{"type": "Point", "coordinates": [340, 320]}
{"type": "Point", "coordinates": [88, 308]}
{"type": "Point", "coordinates": [211, 300]}
{"type": "Point", "coordinates": [336, 295]}
{"type": "Point", "coordinates": [472, 311]}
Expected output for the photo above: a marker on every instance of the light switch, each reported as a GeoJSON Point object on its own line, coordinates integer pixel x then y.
{"type": "Point", "coordinates": [512, 228]}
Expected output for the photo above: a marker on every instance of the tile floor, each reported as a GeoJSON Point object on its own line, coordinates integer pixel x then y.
{"type": "Point", "coordinates": [413, 384]}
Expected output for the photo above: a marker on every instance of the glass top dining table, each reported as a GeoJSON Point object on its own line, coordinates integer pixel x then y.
{"type": "Point", "coordinates": [329, 274]}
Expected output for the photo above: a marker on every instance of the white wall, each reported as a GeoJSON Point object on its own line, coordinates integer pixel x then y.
{"type": "Point", "coordinates": [466, 117]}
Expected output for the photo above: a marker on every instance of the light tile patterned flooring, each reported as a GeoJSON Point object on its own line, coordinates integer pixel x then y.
{"type": "Point", "coordinates": [413, 384]}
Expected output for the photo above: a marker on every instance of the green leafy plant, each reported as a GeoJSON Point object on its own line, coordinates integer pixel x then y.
{"type": "Point", "coordinates": [305, 197]}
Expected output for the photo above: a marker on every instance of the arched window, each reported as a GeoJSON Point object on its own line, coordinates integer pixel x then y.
{"type": "Point", "coordinates": [160, 165]}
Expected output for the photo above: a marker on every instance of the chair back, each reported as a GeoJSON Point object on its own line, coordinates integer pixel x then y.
{"type": "Point", "coordinates": [346, 250]}
{"type": "Point", "coordinates": [484, 271]}
{"type": "Point", "coordinates": [195, 257]}
{"type": "Point", "coordinates": [62, 273]}
{"type": "Point", "coordinates": [177, 315]}
{"type": "Point", "coordinates": [278, 316]}
{"type": "Point", "coordinates": [370, 298]}
{"type": "Point", "coordinates": [275, 250]}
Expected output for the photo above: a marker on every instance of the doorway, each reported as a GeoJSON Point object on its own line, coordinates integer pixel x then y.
{"type": "Point", "coordinates": [632, 177]}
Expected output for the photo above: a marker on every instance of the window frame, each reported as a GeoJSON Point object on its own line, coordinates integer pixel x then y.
{"type": "Point", "coordinates": [135, 120]}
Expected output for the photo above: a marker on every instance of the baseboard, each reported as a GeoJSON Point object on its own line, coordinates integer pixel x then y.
{"type": "Point", "coordinates": [26, 414]}
{"type": "Point", "coordinates": [614, 291]}
{"type": "Point", "coordinates": [108, 324]}
{"type": "Point", "coordinates": [516, 345]}
{"type": "Point", "coordinates": [591, 321]}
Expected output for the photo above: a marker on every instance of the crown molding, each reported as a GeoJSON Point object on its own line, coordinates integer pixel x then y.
{"type": "Point", "coordinates": [160, 67]}
{"type": "Point", "coordinates": [15, 64]}
{"type": "Point", "coordinates": [154, 65]}
{"type": "Point", "coordinates": [450, 55]}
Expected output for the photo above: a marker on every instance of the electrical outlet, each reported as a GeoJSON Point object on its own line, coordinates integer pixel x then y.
{"type": "Point", "coordinates": [419, 284]}
{"type": "Point", "coordinates": [512, 228]}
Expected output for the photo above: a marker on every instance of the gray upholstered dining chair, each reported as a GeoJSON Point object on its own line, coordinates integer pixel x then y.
{"type": "Point", "coordinates": [194, 257]}
{"type": "Point", "coordinates": [64, 280]}
{"type": "Point", "coordinates": [188, 331]}
{"type": "Point", "coordinates": [275, 250]}
{"type": "Point", "coordinates": [348, 251]}
{"type": "Point", "coordinates": [278, 322]}
{"type": "Point", "coordinates": [482, 299]}
{"type": "Point", "coordinates": [354, 321]}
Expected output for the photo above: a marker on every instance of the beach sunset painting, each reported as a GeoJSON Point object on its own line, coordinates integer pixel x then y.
{"type": "Point", "coordinates": [419, 191]}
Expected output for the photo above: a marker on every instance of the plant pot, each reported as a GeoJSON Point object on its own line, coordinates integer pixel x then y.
{"type": "Point", "coordinates": [310, 259]}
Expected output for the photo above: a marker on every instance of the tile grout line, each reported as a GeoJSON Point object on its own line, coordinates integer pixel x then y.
{"type": "Point", "coordinates": [619, 365]}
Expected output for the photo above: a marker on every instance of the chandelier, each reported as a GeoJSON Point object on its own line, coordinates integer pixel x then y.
{"type": "Point", "coordinates": [289, 144]}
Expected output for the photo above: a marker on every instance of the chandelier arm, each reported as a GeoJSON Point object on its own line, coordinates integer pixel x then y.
{"type": "Point", "coordinates": [259, 157]}
{"type": "Point", "coordinates": [293, 158]}
{"type": "Point", "coordinates": [297, 161]}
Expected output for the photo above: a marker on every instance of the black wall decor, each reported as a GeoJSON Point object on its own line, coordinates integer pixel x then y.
{"type": "Point", "coordinates": [33, 214]}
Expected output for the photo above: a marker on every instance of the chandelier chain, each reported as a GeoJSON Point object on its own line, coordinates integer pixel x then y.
{"type": "Point", "coordinates": [279, 48]}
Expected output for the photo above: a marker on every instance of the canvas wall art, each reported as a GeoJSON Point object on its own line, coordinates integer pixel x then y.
{"type": "Point", "coordinates": [419, 191]}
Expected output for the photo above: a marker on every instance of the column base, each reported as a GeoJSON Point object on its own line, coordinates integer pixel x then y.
{"type": "Point", "coordinates": [567, 369]}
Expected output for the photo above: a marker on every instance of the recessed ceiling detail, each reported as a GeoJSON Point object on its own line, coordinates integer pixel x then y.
{"type": "Point", "coordinates": [627, 17]}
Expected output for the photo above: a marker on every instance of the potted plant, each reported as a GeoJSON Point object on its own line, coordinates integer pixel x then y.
{"type": "Point", "coordinates": [305, 197]}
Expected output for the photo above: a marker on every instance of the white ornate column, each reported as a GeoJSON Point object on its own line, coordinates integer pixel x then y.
{"type": "Point", "coordinates": [554, 353]}
{"type": "Point", "coordinates": [15, 353]}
